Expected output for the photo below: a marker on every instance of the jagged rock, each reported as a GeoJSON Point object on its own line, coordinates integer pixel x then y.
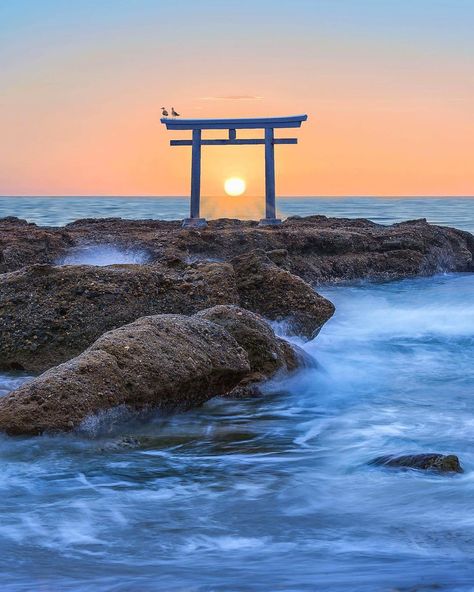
{"type": "Point", "coordinates": [51, 313]}
{"type": "Point", "coordinates": [23, 244]}
{"type": "Point", "coordinates": [320, 249]}
{"type": "Point", "coordinates": [267, 353]}
{"type": "Point", "coordinates": [170, 362]}
{"type": "Point", "coordinates": [440, 463]}
{"type": "Point", "coordinates": [278, 295]}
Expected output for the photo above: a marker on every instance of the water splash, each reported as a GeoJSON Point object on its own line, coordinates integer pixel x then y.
{"type": "Point", "coordinates": [11, 381]}
{"type": "Point", "coordinates": [101, 255]}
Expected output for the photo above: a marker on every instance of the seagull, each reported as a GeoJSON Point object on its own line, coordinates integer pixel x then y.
{"type": "Point", "coordinates": [173, 112]}
{"type": "Point", "coordinates": [164, 112]}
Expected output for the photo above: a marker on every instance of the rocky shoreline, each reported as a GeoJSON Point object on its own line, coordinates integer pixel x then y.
{"type": "Point", "coordinates": [189, 322]}
{"type": "Point", "coordinates": [317, 248]}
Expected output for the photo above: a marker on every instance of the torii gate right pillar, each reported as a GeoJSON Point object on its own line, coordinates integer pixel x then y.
{"type": "Point", "coordinates": [270, 194]}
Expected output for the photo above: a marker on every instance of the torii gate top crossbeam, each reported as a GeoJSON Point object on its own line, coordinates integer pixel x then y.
{"type": "Point", "coordinates": [241, 123]}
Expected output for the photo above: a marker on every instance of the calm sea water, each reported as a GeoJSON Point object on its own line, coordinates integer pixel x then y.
{"type": "Point", "coordinates": [272, 493]}
{"type": "Point", "coordinates": [57, 211]}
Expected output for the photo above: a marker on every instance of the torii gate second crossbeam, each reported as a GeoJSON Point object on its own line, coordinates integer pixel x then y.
{"type": "Point", "coordinates": [232, 125]}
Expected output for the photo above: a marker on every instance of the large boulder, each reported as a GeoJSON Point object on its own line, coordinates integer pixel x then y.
{"type": "Point", "coordinates": [275, 293]}
{"type": "Point", "coordinates": [52, 313]}
{"type": "Point", "coordinates": [168, 362]}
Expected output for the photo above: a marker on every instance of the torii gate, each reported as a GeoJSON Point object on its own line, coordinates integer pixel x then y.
{"type": "Point", "coordinates": [266, 123]}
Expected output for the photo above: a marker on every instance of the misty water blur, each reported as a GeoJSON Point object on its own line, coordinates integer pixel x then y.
{"type": "Point", "coordinates": [274, 492]}
{"type": "Point", "coordinates": [242, 207]}
{"type": "Point", "coordinates": [101, 255]}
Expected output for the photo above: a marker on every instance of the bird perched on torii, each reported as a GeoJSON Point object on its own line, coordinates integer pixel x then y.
{"type": "Point", "coordinates": [165, 113]}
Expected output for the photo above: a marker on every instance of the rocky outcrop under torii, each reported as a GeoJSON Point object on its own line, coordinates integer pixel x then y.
{"type": "Point", "coordinates": [319, 249]}
{"type": "Point", "coordinates": [49, 314]}
{"type": "Point", "coordinates": [167, 362]}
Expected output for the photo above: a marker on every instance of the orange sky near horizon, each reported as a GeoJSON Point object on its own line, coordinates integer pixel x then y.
{"type": "Point", "coordinates": [390, 105]}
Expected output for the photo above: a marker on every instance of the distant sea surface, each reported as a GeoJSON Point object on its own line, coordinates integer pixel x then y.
{"type": "Point", "coordinates": [58, 211]}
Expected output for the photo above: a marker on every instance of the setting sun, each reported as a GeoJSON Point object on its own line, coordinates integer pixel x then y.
{"type": "Point", "coordinates": [234, 186]}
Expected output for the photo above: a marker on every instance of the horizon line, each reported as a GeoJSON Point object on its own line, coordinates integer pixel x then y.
{"type": "Point", "coordinates": [157, 196]}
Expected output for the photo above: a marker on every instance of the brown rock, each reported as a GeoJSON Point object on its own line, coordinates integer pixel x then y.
{"type": "Point", "coordinates": [266, 352]}
{"type": "Point", "coordinates": [320, 249]}
{"type": "Point", "coordinates": [167, 361]}
{"type": "Point", "coordinates": [50, 314]}
{"type": "Point", "coordinates": [22, 244]}
{"type": "Point", "coordinates": [439, 463]}
{"type": "Point", "coordinates": [278, 295]}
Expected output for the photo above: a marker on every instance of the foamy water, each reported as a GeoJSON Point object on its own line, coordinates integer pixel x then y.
{"type": "Point", "coordinates": [272, 493]}
{"type": "Point", "coordinates": [101, 255]}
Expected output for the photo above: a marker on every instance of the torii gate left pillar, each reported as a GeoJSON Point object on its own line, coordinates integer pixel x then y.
{"type": "Point", "coordinates": [268, 124]}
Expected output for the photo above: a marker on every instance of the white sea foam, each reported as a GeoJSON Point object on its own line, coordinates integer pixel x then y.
{"type": "Point", "coordinates": [101, 255]}
{"type": "Point", "coordinates": [9, 382]}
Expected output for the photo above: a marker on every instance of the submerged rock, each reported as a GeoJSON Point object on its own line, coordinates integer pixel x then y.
{"type": "Point", "coordinates": [277, 294]}
{"type": "Point", "coordinates": [169, 362]}
{"type": "Point", "coordinates": [440, 463]}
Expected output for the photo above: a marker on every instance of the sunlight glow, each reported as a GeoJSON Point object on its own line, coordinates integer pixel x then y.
{"type": "Point", "coordinates": [234, 186]}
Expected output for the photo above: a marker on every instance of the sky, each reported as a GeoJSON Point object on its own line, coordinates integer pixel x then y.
{"type": "Point", "coordinates": [388, 86]}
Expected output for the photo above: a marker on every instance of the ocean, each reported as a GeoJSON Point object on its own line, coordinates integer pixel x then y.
{"type": "Point", "coordinates": [58, 211]}
{"type": "Point", "coordinates": [273, 493]}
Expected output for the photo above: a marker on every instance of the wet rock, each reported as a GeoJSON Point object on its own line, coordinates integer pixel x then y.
{"type": "Point", "coordinates": [122, 443]}
{"type": "Point", "coordinates": [319, 249]}
{"type": "Point", "coordinates": [50, 313]}
{"type": "Point", "coordinates": [267, 354]}
{"type": "Point", "coordinates": [248, 388]}
{"type": "Point", "coordinates": [22, 244]}
{"type": "Point", "coordinates": [168, 362]}
{"type": "Point", "coordinates": [278, 295]}
{"type": "Point", "coordinates": [440, 463]}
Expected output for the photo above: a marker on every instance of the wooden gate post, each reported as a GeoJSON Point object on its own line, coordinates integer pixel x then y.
{"type": "Point", "coordinates": [270, 205]}
{"type": "Point", "coordinates": [194, 220]}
